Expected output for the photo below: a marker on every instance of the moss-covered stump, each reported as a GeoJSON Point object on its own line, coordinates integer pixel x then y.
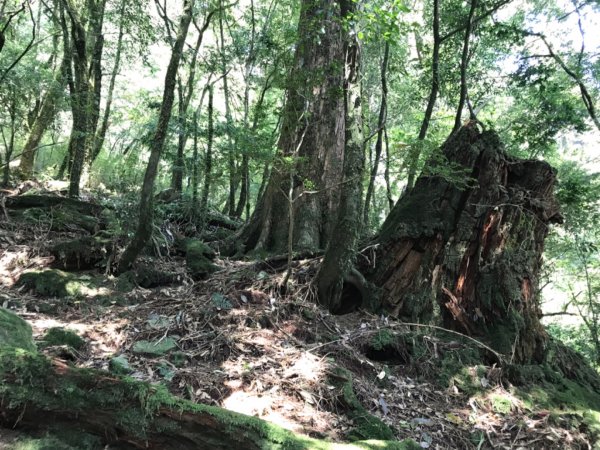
{"type": "Point", "coordinates": [467, 240]}
{"type": "Point", "coordinates": [81, 254]}
{"type": "Point", "coordinates": [198, 258]}
{"type": "Point", "coordinates": [14, 331]}
{"type": "Point", "coordinates": [53, 283]}
{"type": "Point", "coordinates": [37, 392]}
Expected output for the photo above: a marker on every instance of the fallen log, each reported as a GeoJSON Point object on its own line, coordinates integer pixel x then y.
{"type": "Point", "coordinates": [36, 392]}
{"type": "Point", "coordinates": [48, 201]}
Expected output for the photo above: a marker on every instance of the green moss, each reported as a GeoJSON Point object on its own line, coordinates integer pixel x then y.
{"type": "Point", "coordinates": [198, 259]}
{"type": "Point", "coordinates": [53, 283]}
{"type": "Point", "coordinates": [383, 339]}
{"type": "Point", "coordinates": [501, 404]}
{"type": "Point", "coordinates": [367, 426]}
{"type": "Point", "coordinates": [15, 332]}
{"type": "Point", "coordinates": [61, 336]}
{"type": "Point", "coordinates": [83, 253]}
{"type": "Point", "coordinates": [459, 367]}
{"type": "Point", "coordinates": [58, 439]}
{"type": "Point", "coordinates": [27, 378]}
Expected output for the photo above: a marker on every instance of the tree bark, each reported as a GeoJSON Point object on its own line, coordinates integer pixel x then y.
{"type": "Point", "coordinates": [338, 262]}
{"type": "Point", "coordinates": [208, 156]}
{"type": "Point", "coordinates": [470, 244]}
{"type": "Point", "coordinates": [101, 134]}
{"type": "Point", "coordinates": [144, 228]}
{"type": "Point", "coordinates": [380, 128]}
{"type": "Point", "coordinates": [43, 120]}
{"type": "Point", "coordinates": [313, 128]}
{"type": "Point", "coordinates": [464, 64]}
{"type": "Point", "coordinates": [415, 152]}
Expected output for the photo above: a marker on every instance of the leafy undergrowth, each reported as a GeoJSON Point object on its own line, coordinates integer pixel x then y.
{"type": "Point", "coordinates": [235, 341]}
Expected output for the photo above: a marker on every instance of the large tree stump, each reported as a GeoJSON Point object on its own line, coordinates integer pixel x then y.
{"type": "Point", "coordinates": [469, 244]}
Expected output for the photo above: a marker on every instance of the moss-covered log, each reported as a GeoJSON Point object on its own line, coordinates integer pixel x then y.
{"type": "Point", "coordinates": [36, 392]}
{"type": "Point", "coordinates": [469, 238]}
{"type": "Point", "coordinates": [47, 201]}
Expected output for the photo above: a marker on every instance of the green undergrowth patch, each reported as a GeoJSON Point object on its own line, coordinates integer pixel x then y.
{"type": "Point", "coordinates": [62, 336]}
{"type": "Point", "coordinates": [65, 286]}
{"type": "Point", "coordinates": [58, 439]}
{"type": "Point", "coordinates": [367, 426]}
{"type": "Point", "coordinates": [138, 408]}
{"type": "Point", "coordinates": [14, 331]}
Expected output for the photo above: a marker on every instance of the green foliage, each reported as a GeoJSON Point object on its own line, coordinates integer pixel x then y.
{"type": "Point", "coordinates": [14, 331]}
{"type": "Point", "coordinates": [61, 336]}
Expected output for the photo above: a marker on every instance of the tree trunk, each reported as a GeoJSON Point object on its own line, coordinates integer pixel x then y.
{"type": "Point", "coordinates": [338, 263]}
{"type": "Point", "coordinates": [144, 228]}
{"type": "Point", "coordinates": [464, 64]}
{"type": "Point", "coordinates": [208, 156]}
{"type": "Point", "coordinates": [86, 76]}
{"type": "Point", "coordinates": [101, 135]}
{"type": "Point", "coordinates": [380, 127]}
{"type": "Point", "coordinates": [313, 128]}
{"type": "Point", "coordinates": [470, 244]}
{"type": "Point", "coordinates": [43, 120]}
{"type": "Point", "coordinates": [38, 393]}
{"type": "Point", "coordinates": [415, 152]}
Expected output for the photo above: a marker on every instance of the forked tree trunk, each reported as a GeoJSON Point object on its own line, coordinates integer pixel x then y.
{"type": "Point", "coordinates": [469, 243]}
{"type": "Point", "coordinates": [312, 139]}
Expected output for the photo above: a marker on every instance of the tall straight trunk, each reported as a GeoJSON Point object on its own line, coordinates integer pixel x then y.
{"type": "Point", "coordinates": [185, 93]}
{"type": "Point", "coordinates": [87, 47]}
{"type": "Point", "coordinates": [195, 163]}
{"type": "Point", "coordinates": [230, 206]}
{"type": "Point", "coordinates": [388, 184]}
{"type": "Point", "coordinates": [380, 125]}
{"type": "Point", "coordinates": [43, 120]}
{"type": "Point", "coordinates": [104, 124]}
{"type": "Point", "coordinates": [208, 156]}
{"type": "Point", "coordinates": [313, 128]}
{"type": "Point", "coordinates": [337, 266]}
{"type": "Point", "coordinates": [179, 164]}
{"type": "Point", "coordinates": [10, 145]}
{"type": "Point", "coordinates": [415, 152]}
{"type": "Point", "coordinates": [464, 63]}
{"type": "Point", "coordinates": [144, 228]}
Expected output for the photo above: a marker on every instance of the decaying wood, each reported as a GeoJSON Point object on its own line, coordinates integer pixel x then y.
{"type": "Point", "coordinates": [47, 201]}
{"type": "Point", "coordinates": [469, 244]}
{"type": "Point", "coordinates": [36, 393]}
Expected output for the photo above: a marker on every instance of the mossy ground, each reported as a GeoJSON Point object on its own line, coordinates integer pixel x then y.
{"type": "Point", "coordinates": [29, 379]}
{"type": "Point", "coordinates": [14, 331]}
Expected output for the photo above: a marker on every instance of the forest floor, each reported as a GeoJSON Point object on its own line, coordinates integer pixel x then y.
{"type": "Point", "coordinates": [236, 341]}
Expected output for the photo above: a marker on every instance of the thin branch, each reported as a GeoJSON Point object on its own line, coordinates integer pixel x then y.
{"type": "Point", "coordinates": [29, 46]}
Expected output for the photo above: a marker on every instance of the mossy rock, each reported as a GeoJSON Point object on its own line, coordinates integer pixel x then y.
{"type": "Point", "coordinates": [81, 254]}
{"type": "Point", "coordinates": [53, 283]}
{"type": "Point", "coordinates": [198, 258]}
{"type": "Point", "coordinates": [15, 332]}
{"type": "Point", "coordinates": [149, 277]}
{"type": "Point", "coordinates": [61, 336]}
